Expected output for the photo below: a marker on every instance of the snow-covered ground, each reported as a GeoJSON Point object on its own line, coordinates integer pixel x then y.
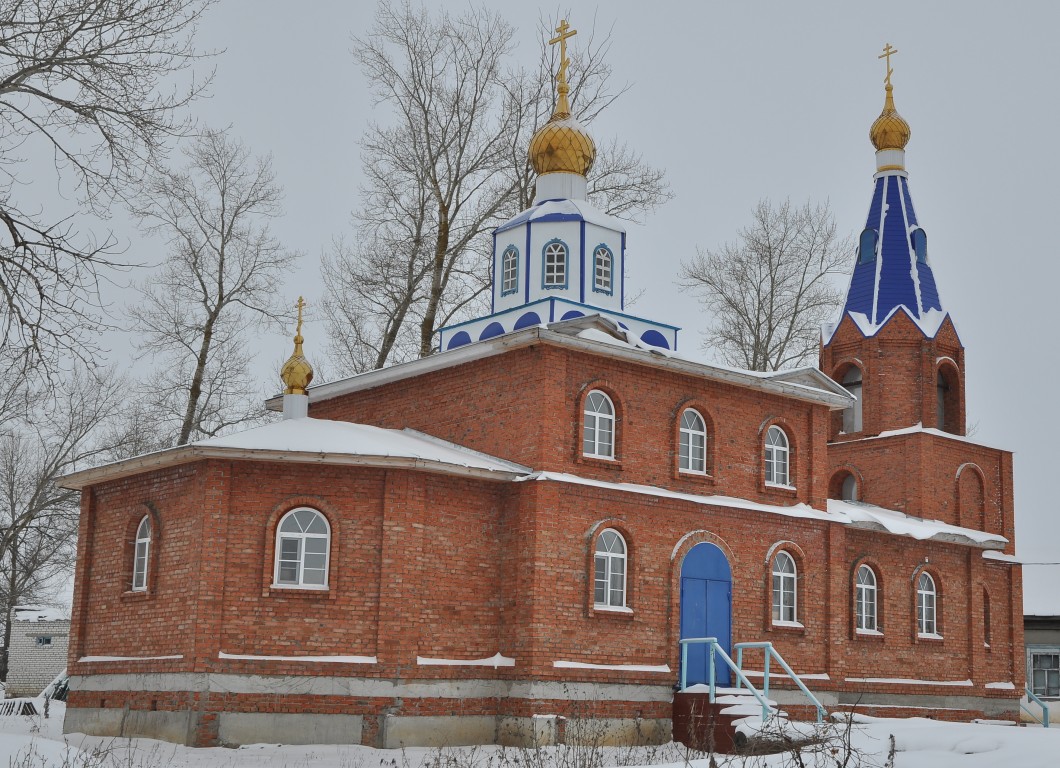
{"type": "Point", "coordinates": [919, 743]}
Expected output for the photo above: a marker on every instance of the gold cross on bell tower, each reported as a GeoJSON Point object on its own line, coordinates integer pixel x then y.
{"type": "Point", "coordinates": [888, 52]}
{"type": "Point", "coordinates": [563, 32]}
{"type": "Point", "coordinates": [301, 305]}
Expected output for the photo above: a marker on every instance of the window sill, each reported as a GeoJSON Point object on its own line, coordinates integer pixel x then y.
{"type": "Point", "coordinates": [789, 627]}
{"type": "Point", "coordinates": [929, 637]}
{"type": "Point", "coordinates": [695, 477]}
{"type": "Point", "coordinates": [303, 593]}
{"type": "Point", "coordinates": [620, 612]}
{"type": "Point", "coordinates": [787, 491]}
{"type": "Point", "coordinates": [869, 635]}
{"type": "Point", "coordinates": [599, 461]}
{"type": "Point", "coordinates": [139, 594]}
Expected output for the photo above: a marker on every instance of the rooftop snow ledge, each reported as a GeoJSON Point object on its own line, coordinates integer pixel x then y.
{"type": "Point", "coordinates": [312, 659]}
{"type": "Point", "coordinates": [613, 667]}
{"type": "Point", "coordinates": [1001, 557]}
{"type": "Point", "coordinates": [495, 661]}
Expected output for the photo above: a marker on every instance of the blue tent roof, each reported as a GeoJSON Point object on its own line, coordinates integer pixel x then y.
{"type": "Point", "coordinates": [893, 276]}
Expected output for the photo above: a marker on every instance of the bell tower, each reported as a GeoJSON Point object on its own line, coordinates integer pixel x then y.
{"type": "Point", "coordinates": [894, 346]}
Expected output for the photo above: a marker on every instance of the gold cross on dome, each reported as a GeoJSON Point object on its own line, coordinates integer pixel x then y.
{"type": "Point", "coordinates": [301, 305]}
{"type": "Point", "coordinates": [563, 32]}
{"type": "Point", "coordinates": [888, 52]}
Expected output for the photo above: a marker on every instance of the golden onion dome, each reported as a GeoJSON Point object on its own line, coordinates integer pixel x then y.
{"type": "Point", "coordinates": [297, 372]}
{"type": "Point", "coordinates": [890, 130]}
{"type": "Point", "coordinates": [562, 145]}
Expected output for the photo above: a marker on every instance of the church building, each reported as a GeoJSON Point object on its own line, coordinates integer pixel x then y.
{"type": "Point", "coordinates": [484, 544]}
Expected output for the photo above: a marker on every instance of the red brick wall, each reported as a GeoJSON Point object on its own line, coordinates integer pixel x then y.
{"type": "Point", "coordinates": [511, 407]}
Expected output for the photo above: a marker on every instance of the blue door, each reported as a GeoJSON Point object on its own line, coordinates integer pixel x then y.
{"type": "Point", "coordinates": [706, 609]}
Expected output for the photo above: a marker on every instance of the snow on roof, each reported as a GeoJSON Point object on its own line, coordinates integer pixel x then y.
{"type": "Point", "coordinates": [36, 613]}
{"type": "Point", "coordinates": [920, 428]}
{"type": "Point", "coordinates": [564, 210]}
{"type": "Point", "coordinates": [862, 515]}
{"type": "Point", "coordinates": [317, 441]}
{"type": "Point", "coordinates": [1041, 589]}
{"type": "Point", "coordinates": [856, 514]}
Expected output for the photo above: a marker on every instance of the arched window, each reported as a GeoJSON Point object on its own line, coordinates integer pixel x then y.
{"type": "Point", "coordinates": [302, 547]}
{"type": "Point", "coordinates": [777, 457]}
{"type": "Point", "coordinates": [852, 415]}
{"type": "Point", "coordinates": [947, 392]}
{"type": "Point", "coordinates": [925, 605]}
{"type": "Point", "coordinates": [141, 555]}
{"type": "Point", "coordinates": [849, 490]}
{"type": "Point", "coordinates": [610, 582]}
{"type": "Point", "coordinates": [555, 274]}
{"type": "Point", "coordinates": [598, 433]}
{"type": "Point", "coordinates": [942, 389]}
{"type": "Point", "coordinates": [510, 270]}
{"type": "Point", "coordinates": [603, 263]}
{"type": "Point", "coordinates": [867, 246]}
{"type": "Point", "coordinates": [784, 592]}
{"type": "Point", "coordinates": [865, 600]}
{"type": "Point", "coordinates": [919, 240]}
{"type": "Point", "coordinates": [693, 448]}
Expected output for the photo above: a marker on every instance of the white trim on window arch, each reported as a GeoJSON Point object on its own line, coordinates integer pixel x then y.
{"type": "Point", "coordinates": [777, 458]}
{"type": "Point", "coordinates": [785, 589]}
{"type": "Point", "coordinates": [926, 606]}
{"type": "Point", "coordinates": [865, 600]}
{"type": "Point", "coordinates": [609, 570]}
{"type": "Point", "coordinates": [603, 269]}
{"type": "Point", "coordinates": [598, 426]}
{"type": "Point", "coordinates": [692, 444]}
{"type": "Point", "coordinates": [303, 550]}
{"type": "Point", "coordinates": [510, 271]}
{"type": "Point", "coordinates": [141, 555]}
{"type": "Point", "coordinates": [554, 264]}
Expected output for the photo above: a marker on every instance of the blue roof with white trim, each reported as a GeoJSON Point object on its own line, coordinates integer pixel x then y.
{"type": "Point", "coordinates": [892, 269]}
{"type": "Point", "coordinates": [564, 210]}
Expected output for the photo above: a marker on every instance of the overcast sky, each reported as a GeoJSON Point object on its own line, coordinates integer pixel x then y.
{"type": "Point", "coordinates": [740, 101]}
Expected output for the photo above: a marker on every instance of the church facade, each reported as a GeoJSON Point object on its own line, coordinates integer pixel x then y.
{"type": "Point", "coordinates": [481, 545]}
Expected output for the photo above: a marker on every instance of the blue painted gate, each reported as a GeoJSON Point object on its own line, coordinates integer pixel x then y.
{"type": "Point", "coordinates": [706, 609]}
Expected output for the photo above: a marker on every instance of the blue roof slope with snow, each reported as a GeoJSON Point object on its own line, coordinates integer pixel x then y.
{"type": "Point", "coordinates": [894, 278]}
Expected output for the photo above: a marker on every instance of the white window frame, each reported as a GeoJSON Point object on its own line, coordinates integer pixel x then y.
{"type": "Point", "coordinates": [866, 600]}
{"type": "Point", "coordinates": [785, 589]}
{"type": "Point", "coordinates": [603, 270]}
{"type": "Point", "coordinates": [777, 458]}
{"type": "Point", "coordinates": [926, 606]}
{"type": "Point", "coordinates": [1033, 652]}
{"type": "Point", "coordinates": [141, 555]}
{"type": "Point", "coordinates": [693, 437]}
{"type": "Point", "coordinates": [301, 537]}
{"type": "Point", "coordinates": [610, 570]}
{"type": "Point", "coordinates": [595, 422]}
{"type": "Point", "coordinates": [554, 268]}
{"type": "Point", "coordinates": [510, 271]}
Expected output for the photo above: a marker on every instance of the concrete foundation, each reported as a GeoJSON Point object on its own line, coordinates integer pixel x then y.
{"type": "Point", "coordinates": [438, 731]}
{"type": "Point", "coordinates": [236, 728]}
{"type": "Point", "coordinates": [174, 727]}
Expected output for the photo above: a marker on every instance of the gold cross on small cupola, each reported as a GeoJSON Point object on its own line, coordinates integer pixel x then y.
{"type": "Point", "coordinates": [888, 52]}
{"type": "Point", "coordinates": [563, 32]}
{"type": "Point", "coordinates": [297, 372]}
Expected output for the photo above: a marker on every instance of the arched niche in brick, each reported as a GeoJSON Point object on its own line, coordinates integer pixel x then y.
{"type": "Point", "coordinates": [850, 374]}
{"type": "Point", "coordinates": [971, 497]}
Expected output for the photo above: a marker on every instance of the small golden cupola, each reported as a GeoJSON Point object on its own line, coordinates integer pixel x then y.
{"type": "Point", "coordinates": [889, 132]}
{"type": "Point", "coordinates": [562, 145]}
{"type": "Point", "coordinates": [297, 372]}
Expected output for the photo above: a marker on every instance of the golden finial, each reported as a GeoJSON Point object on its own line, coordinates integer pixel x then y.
{"type": "Point", "coordinates": [297, 372]}
{"type": "Point", "coordinates": [561, 145]}
{"type": "Point", "coordinates": [890, 130]}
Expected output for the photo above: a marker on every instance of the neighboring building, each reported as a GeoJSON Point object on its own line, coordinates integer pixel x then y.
{"type": "Point", "coordinates": [1041, 627]}
{"type": "Point", "coordinates": [40, 641]}
{"type": "Point", "coordinates": [461, 548]}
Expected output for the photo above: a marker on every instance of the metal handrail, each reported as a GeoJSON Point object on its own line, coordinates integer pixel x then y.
{"type": "Point", "coordinates": [715, 648]}
{"type": "Point", "coordinates": [771, 652]}
{"type": "Point", "coordinates": [1044, 719]}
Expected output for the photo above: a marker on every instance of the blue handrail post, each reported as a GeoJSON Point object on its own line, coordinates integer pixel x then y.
{"type": "Point", "coordinates": [739, 665]}
{"type": "Point", "coordinates": [713, 645]}
{"type": "Point", "coordinates": [765, 673]}
{"type": "Point", "coordinates": [1044, 720]}
{"type": "Point", "coordinates": [684, 665]}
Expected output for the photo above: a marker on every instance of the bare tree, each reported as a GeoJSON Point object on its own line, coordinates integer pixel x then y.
{"type": "Point", "coordinates": [91, 83]}
{"type": "Point", "coordinates": [219, 278]}
{"type": "Point", "coordinates": [453, 166]}
{"type": "Point", "coordinates": [769, 292]}
{"type": "Point", "coordinates": [48, 438]}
